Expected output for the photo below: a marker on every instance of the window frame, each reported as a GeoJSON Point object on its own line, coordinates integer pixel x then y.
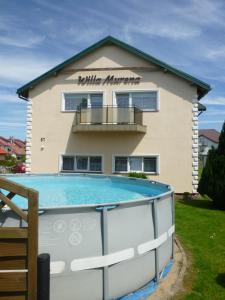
{"type": "Point", "coordinates": [138, 91]}
{"type": "Point", "coordinates": [75, 170]}
{"type": "Point", "coordinates": [89, 92]}
{"type": "Point", "coordinates": [157, 156]}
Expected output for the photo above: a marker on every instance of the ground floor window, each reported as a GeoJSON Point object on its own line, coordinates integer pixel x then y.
{"type": "Point", "coordinates": [147, 164]}
{"type": "Point", "coordinates": [81, 163]}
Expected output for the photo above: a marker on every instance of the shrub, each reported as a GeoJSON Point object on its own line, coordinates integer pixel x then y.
{"type": "Point", "coordinates": [212, 182]}
{"type": "Point", "coordinates": [137, 175]}
{"type": "Point", "coordinates": [9, 163]}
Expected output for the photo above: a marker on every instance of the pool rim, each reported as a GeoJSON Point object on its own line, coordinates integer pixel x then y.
{"type": "Point", "coordinates": [96, 205]}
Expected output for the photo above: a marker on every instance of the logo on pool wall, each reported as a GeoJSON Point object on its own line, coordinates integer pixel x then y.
{"type": "Point", "coordinates": [75, 238]}
{"type": "Point", "coordinates": [75, 225]}
{"type": "Point", "coordinates": [59, 226]}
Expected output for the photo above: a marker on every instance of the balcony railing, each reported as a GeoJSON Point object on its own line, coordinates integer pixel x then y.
{"type": "Point", "coordinates": [109, 115]}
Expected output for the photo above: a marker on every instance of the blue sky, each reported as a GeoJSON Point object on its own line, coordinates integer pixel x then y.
{"type": "Point", "coordinates": [35, 35]}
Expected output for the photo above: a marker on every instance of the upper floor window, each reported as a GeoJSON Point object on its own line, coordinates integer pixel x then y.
{"type": "Point", "coordinates": [145, 100]}
{"type": "Point", "coordinates": [74, 101]}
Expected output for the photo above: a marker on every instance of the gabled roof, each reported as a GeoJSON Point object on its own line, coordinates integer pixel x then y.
{"type": "Point", "coordinates": [202, 87]}
{"type": "Point", "coordinates": [210, 134]}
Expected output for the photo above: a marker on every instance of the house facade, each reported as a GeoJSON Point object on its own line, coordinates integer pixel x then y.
{"type": "Point", "coordinates": [114, 109]}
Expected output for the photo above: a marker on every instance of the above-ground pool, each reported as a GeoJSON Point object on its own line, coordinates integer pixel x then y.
{"type": "Point", "coordinates": [69, 190]}
{"type": "Point", "coordinates": [107, 236]}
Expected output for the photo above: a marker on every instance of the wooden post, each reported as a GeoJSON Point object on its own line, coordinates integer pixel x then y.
{"type": "Point", "coordinates": [32, 243]}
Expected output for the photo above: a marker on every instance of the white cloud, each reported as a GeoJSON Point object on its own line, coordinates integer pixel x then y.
{"type": "Point", "coordinates": [19, 69]}
{"type": "Point", "coordinates": [21, 39]}
{"type": "Point", "coordinates": [215, 112]}
{"type": "Point", "coordinates": [12, 124]}
{"type": "Point", "coordinates": [9, 97]}
{"type": "Point", "coordinates": [14, 33]}
{"type": "Point", "coordinates": [202, 12]}
{"type": "Point", "coordinates": [214, 101]}
{"type": "Point", "coordinates": [164, 30]}
{"type": "Point", "coordinates": [216, 53]}
{"type": "Point", "coordinates": [76, 34]}
{"type": "Point", "coordinates": [211, 121]}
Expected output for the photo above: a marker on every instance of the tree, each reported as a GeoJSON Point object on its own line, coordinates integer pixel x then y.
{"type": "Point", "coordinates": [212, 182]}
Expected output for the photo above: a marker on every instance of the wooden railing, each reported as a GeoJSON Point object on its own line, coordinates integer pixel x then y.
{"type": "Point", "coordinates": [18, 245]}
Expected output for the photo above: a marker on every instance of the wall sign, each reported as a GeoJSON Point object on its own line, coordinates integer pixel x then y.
{"type": "Point", "coordinates": [110, 79]}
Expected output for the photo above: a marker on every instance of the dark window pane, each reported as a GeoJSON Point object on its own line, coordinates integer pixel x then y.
{"type": "Point", "coordinates": [95, 163]}
{"type": "Point", "coordinates": [96, 100]}
{"type": "Point", "coordinates": [122, 100]}
{"type": "Point", "coordinates": [150, 164]}
{"type": "Point", "coordinates": [68, 163]}
{"type": "Point", "coordinates": [121, 164]}
{"type": "Point", "coordinates": [82, 162]}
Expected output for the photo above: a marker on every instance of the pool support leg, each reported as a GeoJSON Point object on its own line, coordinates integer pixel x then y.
{"type": "Point", "coordinates": [105, 250]}
{"type": "Point", "coordinates": [44, 276]}
{"type": "Point", "coordinates": [173, 221]}
{"type": "Point", "coordinates": [156, 235]}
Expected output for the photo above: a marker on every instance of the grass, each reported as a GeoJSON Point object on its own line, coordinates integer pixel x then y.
{"type": "Point", "coordinates": [201, 230]}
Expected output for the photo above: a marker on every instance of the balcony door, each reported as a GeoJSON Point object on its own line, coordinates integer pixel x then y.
{"type": "Point", "coordinates": [123, 108]}
{"type": "Point", "coordinates": [97, 113]}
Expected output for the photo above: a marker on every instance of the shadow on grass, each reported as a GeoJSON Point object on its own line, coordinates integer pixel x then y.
{"type": "Point", "coordinates": [200, 203]}
{"type": "Point", "coordinates": [220, 279]}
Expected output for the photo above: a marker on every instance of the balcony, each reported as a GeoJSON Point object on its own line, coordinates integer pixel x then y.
{"type": "Point", "coordinates": [109, 119]}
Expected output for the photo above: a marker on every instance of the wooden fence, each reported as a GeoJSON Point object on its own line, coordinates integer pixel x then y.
{"type": "Point", "coordinates": [18, 245]}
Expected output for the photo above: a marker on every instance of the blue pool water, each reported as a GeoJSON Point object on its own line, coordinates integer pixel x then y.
{"type": "Point", "coordinates": [67, 190]}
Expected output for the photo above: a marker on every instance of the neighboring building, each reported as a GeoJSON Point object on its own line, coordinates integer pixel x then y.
{"type": "Point", "coordinates": [13, 146]}
{"type": "Point", "coordinates": [114, 109]}
{"type": "Point", "coordinates": [3, 154]}
{"type": "Point", "coordinates": [208, 138]}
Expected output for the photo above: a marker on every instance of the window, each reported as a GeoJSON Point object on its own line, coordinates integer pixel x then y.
{"type": "Point", "coordinates": [121, 164]}
{"type": "Point", "coordinates": [75, 101]}
{"type": "Point", "coordinates": [147, 101]}
{"type": "Point", "coordinates": [68, 163]}
{"type": "Point", "coordinates": [95, 163]}
{"type": "Point", "coordinates": [96, 100]}
{"type": "Point", "coordinates": [82, 163]}
{"type": "Point", "coordinates": [147, 164]}
{"type": "Point", "coordinates": [135, 163]}
{"type": "Point", "coordinates": [150, 164]}
{"type": "Point", "coordinates": [122, 100]}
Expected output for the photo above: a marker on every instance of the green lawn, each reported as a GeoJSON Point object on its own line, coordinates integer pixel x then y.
{"type": "Point", "coordinates": [201, 230]}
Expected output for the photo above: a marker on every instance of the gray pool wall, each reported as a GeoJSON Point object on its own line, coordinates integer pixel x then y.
{"type": "Point", "coordinates": [107, 251]}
